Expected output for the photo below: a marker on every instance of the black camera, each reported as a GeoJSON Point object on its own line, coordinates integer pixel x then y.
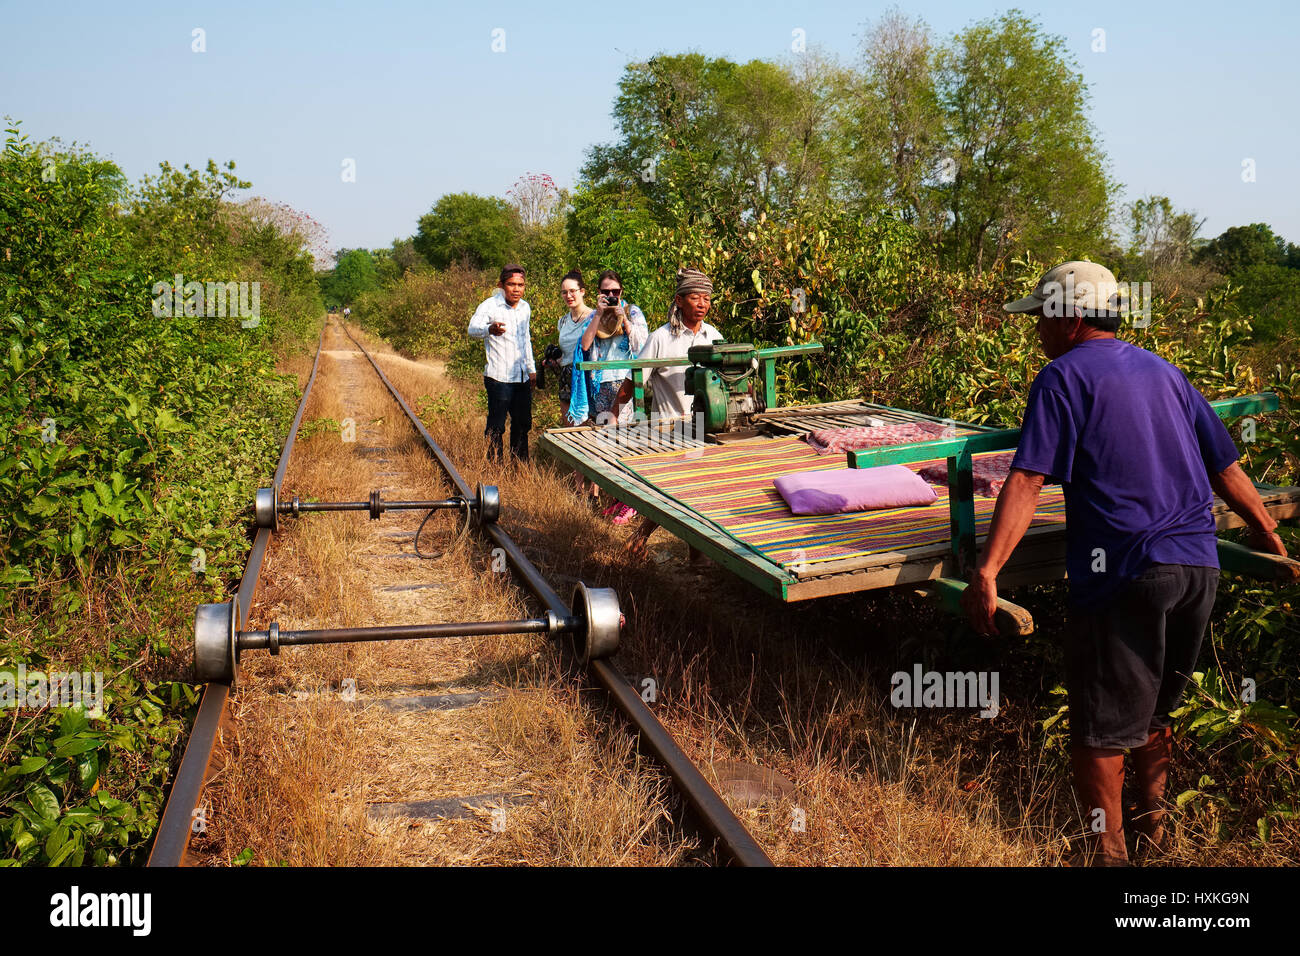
{"type": "Point", "coordinates": [550, 359]}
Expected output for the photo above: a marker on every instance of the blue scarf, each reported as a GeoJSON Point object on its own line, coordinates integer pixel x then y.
{"type": "Point", "coordinates": [584, 389]}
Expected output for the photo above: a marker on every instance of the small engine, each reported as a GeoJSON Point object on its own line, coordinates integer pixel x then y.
{"type": "Point", "coordinates": [722, 378]}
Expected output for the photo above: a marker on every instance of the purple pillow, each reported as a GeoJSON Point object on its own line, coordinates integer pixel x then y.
{"type": "Point", "coordinates": [830, 492]}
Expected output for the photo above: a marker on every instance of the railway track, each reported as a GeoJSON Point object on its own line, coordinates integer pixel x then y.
{"type": "Point", "coordinates": [584, 630]}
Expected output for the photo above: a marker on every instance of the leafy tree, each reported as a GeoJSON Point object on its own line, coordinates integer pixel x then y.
{"type": "Point", "coordinates": [894, 132]}
{"type": "Point", "coordinates": [1241, 247]}
{"type": "Point", "coordinates": [463, 227]}
{"type": "Point", "coordinates": [1158, 235]}
{"type": "Point", "coordinates": [705, 138]}
{"type": "Point", "coordinates": [1029, 173]}
{"type": "Point", "coordinates": [405, 257]}
{"type": "Point", "coordinates": [982, 143]}
{"type": "Point", "coordinates": [354, 274]}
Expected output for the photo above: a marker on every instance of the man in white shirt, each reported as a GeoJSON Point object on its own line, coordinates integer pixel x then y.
{"type": "Point", "coordinates": [510, 372]}
{"type": "Point", "coordinates": [685, 327]}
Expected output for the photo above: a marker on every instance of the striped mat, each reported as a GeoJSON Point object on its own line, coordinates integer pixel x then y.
{"type": "Point", "coordinates": [731, 486]}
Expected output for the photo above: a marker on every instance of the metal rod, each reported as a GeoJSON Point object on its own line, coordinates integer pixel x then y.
{"type": "Point", "coordinates": [289, 507]}
{"type": "Point", "coordinates": [260, 640]}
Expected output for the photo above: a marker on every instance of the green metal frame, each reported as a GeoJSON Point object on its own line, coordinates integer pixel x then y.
{"type": "Point", "coordinates": [736, 556]}
{"type": "Point", "coordinates": [961, 481]}
{"type": "Point", "coordinates": [767, 359]}
{"type": "Point", "coordinates": [1238, 559]}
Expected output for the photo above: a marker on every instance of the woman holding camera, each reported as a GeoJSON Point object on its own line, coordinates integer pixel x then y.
{"type": "Point", "coordinates": [616, 333]}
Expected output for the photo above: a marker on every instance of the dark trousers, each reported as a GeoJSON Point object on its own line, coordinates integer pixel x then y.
{"type": "Point", "coordinates": [515, 399]}
{"type": "Point", "coordinates": [1128, 662]}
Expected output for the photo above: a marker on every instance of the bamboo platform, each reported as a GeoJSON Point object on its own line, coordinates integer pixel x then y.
{"type": "Point", "coordinates": [609, 455]}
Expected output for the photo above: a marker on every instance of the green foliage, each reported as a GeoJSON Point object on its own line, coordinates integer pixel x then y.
{"type": "Point", "coordinates": [354, 274]}
{"type": "Point", "coordinates": [1242, 247]}
{"type": "Point", "coordinates": [130, 439]}
{"type": "Point", "coordinates": [464, 228]}
{"type": "Point", "coordinates": [1270, 294]}
{"type": "Point", "coordinates": [427, 313]}
{"type": "Point", "coordinates": [720, 137]}
{"type": "Point", "coordinates": [89, 791]}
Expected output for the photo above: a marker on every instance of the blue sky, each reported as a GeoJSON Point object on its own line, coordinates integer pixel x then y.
{"type": "Point", "coordinates": [414, 94]}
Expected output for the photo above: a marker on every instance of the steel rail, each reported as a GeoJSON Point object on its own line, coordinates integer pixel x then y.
{"type": "Point", "coordinates": [717, 817]}
{"type": "Point", "coordinates": [177, 823]}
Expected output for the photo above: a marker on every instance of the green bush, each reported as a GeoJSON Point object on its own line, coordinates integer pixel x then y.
{"type": "Point", "coordinates": [130, 439]}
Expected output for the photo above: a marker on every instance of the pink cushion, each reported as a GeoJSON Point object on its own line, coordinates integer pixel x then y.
{"type": "Point", "coordinates": [829, 492]}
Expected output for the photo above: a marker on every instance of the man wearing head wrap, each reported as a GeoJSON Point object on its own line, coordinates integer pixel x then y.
{"type": "Point", "coordinates": [685, 327]}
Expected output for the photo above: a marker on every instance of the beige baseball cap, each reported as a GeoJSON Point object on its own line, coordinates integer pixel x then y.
{"type": "Point", "coordinates": [1090, 286]}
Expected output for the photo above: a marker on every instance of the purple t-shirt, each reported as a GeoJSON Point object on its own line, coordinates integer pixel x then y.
{"type": "Point", "coordinates": [1132, 443]}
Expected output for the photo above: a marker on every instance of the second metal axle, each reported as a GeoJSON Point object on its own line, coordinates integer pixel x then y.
{"type": "Point", "coordinates": [593, 624]}
{"type": "Point", "coordinates": [267, 506]}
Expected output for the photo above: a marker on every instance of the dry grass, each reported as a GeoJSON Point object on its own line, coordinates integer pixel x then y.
{"type": "Point", "coordinates": [301, 765]}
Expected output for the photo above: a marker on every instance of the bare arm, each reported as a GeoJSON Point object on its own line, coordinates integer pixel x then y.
{"type": "Point", "coordinates": [589, 333]}
{"type": "Point", "coordinates": [1011, 517]}
{"type": "Point", "coordinates": [1235, 487]}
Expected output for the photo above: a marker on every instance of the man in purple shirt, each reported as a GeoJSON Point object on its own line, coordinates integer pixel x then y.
{"type": "Point", "coordinates": [1137, 450]}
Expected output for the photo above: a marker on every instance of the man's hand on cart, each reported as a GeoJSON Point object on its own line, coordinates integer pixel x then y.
{"type": "Point", "coordinates": [979, 601]}
{"type": "Point", "coordinates": [1270, 542]}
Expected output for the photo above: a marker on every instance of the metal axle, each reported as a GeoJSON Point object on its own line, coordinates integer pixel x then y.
{"type": "Point", "coordinates": [594, 625]}
{"type": "Point", "coordinates": [267, 506]}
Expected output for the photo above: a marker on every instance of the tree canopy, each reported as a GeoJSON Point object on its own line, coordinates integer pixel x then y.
{"type": "Point", "coordinates": [982, 142]}
{"type": "Point", "coordinates": [466, 228]}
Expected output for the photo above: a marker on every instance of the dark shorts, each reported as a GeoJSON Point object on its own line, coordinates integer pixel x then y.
{"type": "Point", "coordinates": [1128, 663]}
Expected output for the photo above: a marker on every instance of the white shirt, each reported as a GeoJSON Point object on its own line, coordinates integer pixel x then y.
{"type": "Point", "coordinates": [510, 354]}
{"type": "Point", "coordinates": [669, 384]}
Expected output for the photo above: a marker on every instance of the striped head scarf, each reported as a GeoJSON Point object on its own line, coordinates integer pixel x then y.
{"type": "Point", "coordinates": [688, 282]}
